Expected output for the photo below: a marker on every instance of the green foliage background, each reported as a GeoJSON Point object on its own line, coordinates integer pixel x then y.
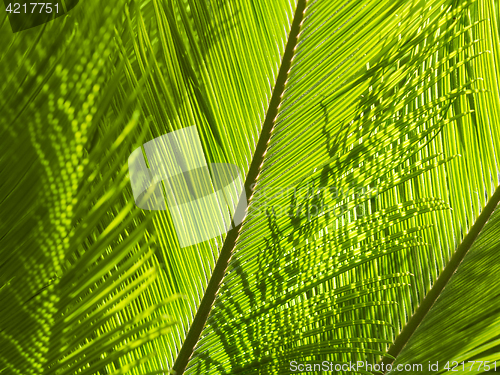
{"type": "Point", "coordinates": [395, 104]}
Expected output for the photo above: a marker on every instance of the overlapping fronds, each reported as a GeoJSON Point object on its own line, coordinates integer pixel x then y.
{"type": "Point", "coordinates": [369, 136]}
{"type": "Point", "coordinates": [384, 119]}
{"type": "Point", "coordinates": [76, 254]}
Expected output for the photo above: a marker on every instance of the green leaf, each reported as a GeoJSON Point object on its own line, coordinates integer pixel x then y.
{"type": "Point", "coordinates": [367, 134]}
{"type": "Point", "coordinates": [466, 312]}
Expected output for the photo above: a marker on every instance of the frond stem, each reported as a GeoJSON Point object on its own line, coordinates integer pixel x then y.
{"type": "Point", "coordinates": [219, 271]}
{"type": "Point", "coordinates": [442, 280]}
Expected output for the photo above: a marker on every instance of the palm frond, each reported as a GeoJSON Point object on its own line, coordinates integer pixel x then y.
{"type": "Point", "coordinates": [368, 136]}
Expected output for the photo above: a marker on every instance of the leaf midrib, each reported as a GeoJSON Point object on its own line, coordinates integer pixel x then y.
{"type": "Point", "coordinates": [443, 279]}
{"type": "Point", "coordinates": [226, 252]}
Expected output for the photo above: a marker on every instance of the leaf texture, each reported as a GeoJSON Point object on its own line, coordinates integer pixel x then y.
{"type": "Point", "coordinates": [370, 149]}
